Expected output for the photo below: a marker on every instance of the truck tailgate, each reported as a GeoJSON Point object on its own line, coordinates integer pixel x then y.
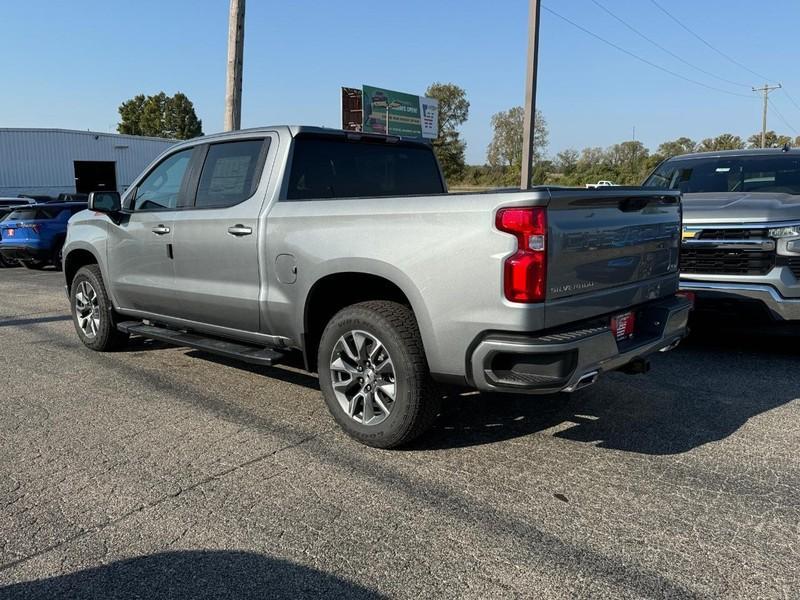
{"type": "Point", "coordinates": [609, 249]}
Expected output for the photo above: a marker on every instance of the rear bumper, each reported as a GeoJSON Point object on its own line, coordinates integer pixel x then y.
{"type": "Point", "coordinates": [780, 308]}
{"type": "Point", "coordinates": [24, 252]}
{"type": "Point", "coordinates": [563, 360]}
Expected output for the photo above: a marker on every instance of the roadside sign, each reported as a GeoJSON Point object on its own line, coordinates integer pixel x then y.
{"type": "Point", "coordinates": [390, 112]}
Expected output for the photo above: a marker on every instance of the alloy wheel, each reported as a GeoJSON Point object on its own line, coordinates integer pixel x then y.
{"type": "Point", "coordinates": [363, 377]}
{"type": "Point", "coordinates": [87, 309]}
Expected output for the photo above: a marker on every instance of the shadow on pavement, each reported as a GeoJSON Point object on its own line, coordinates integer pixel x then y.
{"type": "Point", "coordinates": [735, 374]}
{"type": "Point", "coordinates": [34, 321]}
{"type": "Point", "coordinates": [734, 378]}
{"type": "Point", "coordinates": [191, 575]}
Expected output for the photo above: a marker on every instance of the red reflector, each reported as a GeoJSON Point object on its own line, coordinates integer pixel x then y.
{"type": "Point", "coordinates": [524, 272]}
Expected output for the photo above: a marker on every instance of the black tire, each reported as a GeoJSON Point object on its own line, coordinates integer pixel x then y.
{"type": "Point", "coordinates": [56, 260]}
{"type": "Point", "coordinates": [417, 399]}
{"type": "Point", "coordinates": [107, 338]}
{"type": "Point", "coordinates": [35, 265]}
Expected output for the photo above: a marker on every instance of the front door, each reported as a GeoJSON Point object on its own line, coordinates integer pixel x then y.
{"type": "Point", "coordinates": [217, 241]}
{"type": "Point", "coordinates": [140, 246]}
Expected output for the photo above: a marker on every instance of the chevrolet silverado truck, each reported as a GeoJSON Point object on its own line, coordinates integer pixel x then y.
{"type": "Point", "coordinates": [741, 229]}
{"type": "Point", "coordinates": [347, 248]}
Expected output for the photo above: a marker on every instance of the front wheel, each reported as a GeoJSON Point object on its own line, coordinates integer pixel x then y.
{"type": "Point", "coordinates": [374, 375]}
{"type": "Point", "coordinates": [92, 312]}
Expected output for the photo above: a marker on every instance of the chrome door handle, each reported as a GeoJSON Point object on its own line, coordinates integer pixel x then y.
{"type": "Point", "coordinates": [239, 230]}
{"type": "Point", "coordinates": [160, 230]}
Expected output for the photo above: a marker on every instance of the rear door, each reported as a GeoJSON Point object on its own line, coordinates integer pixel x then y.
{"type": "Point", "coordinates": [610, 249]}
{"type": "Point", "coordinates": [216, 257]}
{"type": "Point", "coordinates": [140, 245]}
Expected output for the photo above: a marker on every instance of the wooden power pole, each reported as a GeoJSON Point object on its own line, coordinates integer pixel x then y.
{"type": "Point", "coordinates": [530, 96]}
{"type": "Point", "coordinates": [766, 89]}
{"type": "Point", "coordinates": [233, 88]}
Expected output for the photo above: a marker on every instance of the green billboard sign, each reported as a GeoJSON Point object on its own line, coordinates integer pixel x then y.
{"type": "Point", "coordinates": [396, 113]}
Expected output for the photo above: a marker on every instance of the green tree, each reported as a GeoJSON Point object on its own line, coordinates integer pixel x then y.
{"type": "Point", "coordinates": [453, 112]}
{"type": "Point", "coordinates": [130, 113]}
{"type": "Point", "coordinates": [629, 159]}
{"type": "Point", "coordinates": [683, 145]}
{"type": "Point", "coordinates": [160, 115]}
{"type": "Point", "coordinates": [773, 140]}
{"type": "Point", "coordinates": [505, 149]}
{"type": "Point", "coordinates": [725, 141]}
{"type": "Point", "coordinates": [567, 161]}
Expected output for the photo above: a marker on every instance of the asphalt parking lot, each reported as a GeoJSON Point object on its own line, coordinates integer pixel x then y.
{"type": "Point", "coordinates": [161, 472]}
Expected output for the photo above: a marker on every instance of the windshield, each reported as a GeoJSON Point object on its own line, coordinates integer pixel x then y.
{"type": "Point", "coordinates": [774, 174]}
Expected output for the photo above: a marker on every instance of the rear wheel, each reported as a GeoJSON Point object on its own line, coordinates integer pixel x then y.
{"type": "Point", "coordinates": [374, 375]}
{"type": "Point", "coordinates": [92, 312]}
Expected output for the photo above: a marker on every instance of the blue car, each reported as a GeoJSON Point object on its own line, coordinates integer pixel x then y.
{"type": "Point", "coordinates": [34, 234]}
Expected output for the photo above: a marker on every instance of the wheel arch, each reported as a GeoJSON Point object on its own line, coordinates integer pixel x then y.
{"type": "Point", "coordinates": [337, 289]}
{"type": "Point", "coordinates": [75, 259]}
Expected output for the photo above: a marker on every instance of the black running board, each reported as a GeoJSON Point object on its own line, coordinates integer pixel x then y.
{"type": "Point", "coordinates": [255, 355]}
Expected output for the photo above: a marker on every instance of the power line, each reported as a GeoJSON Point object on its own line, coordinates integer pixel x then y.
{"type": "Point", "coordinates": [640, 59]}
{"type": "Point", "coordinates": [780, 116]}
{"type": "Point", "coordinates": [791, 99]}
{"type": "Point", "coordinates": [720, 52]}
{"type": "Point", "coordinates": [667, 50]}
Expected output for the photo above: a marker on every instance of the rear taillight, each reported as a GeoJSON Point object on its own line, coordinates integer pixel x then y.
{"type": "Point", "coordinates": [525, 271]}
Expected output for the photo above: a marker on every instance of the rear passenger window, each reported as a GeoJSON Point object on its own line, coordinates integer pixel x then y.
{"type": "Point", "coordinates": [230, 173]}
{"type": "Point", "coordinates": [337, 168]}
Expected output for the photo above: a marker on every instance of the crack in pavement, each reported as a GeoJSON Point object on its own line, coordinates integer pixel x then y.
{"type": "Point", "coordinates": [216, 476]}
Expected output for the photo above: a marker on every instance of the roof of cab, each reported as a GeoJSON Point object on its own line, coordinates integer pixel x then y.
{"type": "Point", "coordinates": [294, 131]}
{"type": "Point", "coordinates": [744, 152]}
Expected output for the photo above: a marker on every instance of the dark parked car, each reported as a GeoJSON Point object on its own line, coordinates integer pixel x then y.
{"type": "Point", "coordinates": [34, 234]}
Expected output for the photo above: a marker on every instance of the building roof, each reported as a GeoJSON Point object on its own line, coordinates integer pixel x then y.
{"type": "Point", "coordinates": [85, 132]}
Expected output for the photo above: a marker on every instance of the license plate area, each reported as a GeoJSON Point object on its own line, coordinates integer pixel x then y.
{"type": "Point", "coordinates": [623, 326]}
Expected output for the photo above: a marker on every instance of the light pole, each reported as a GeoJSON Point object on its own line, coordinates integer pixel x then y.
{"type": "Point", "coordinates": [766, 89]}
{"type": "Point", "coordinates": [233, 88]}
{"type": "Point", "coordinates": [529, 122]}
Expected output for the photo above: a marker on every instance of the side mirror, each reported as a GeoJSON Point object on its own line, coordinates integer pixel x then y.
{"type": "Point", "coordinates": [105, 202]}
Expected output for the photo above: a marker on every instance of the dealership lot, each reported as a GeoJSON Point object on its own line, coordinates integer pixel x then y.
{"type": "Point", "coordinates": [164, 472]}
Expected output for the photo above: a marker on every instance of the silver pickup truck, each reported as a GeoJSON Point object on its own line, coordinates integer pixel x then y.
{"type": "Point", "coordinates": [741, 232]}
{"type": "Point", "coordinates": [348, 249]}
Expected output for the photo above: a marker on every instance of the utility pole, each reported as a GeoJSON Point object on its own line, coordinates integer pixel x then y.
{"type": "Point", "coordinates": [530, 96]}
{"type": "Point", "coordinates": [233, 88]}
{"type": "Point", "coordinates": [766, 89]}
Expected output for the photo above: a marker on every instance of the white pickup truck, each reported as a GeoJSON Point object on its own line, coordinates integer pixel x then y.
{"type": "Point", "coordinates": [600, 184]}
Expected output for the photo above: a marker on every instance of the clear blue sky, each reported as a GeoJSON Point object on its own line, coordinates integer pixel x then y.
{"type": "Point", "coordinates": [70, 64]}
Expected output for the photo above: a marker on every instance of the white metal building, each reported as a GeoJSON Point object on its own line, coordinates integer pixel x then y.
{"type": "Point", "coordinates": [53, 161]}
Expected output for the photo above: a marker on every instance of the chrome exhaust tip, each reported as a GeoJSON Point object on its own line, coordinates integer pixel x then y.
{"type": "Point", "coordinates": [672, 346]}
{"type": "Point", "coordinates": [585, 380]}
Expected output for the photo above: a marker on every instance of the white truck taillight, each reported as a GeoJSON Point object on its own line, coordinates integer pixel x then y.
{"type": "Point", "coordinates": [525, 271]}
